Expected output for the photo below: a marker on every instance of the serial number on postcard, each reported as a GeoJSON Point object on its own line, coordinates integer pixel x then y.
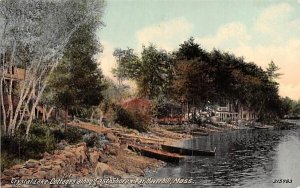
{"type": "Point", "coordinates": [282, 181]}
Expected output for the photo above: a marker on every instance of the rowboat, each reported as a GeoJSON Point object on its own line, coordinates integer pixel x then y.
{"type": "Point", "coordinates": [186, 151]}
{"type": "Point", "coordinates": [157, 154]}
{"type": "Point", "coordinates": [263, 127]}
{"type": "Point", "coordinates": [260, 127]}
{"type": "Point", "coordinates": [199, 133]}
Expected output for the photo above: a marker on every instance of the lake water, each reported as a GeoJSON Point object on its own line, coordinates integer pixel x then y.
{"type": "Point", "coordinates": [244, 158]}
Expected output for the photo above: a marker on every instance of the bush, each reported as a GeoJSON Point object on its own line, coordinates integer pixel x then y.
{"type": "Point", "coordinates": [17, 148]}
{"type": "Point", "coordinates": [42, 139]}
{"type": "Point", "coordinates": [7, 161]}
{"type": "Point", "coordinates": [73, 135]}
{"type": "Point", "coordinates": [38, 131]}
{"type": "Point", "coordinates": [18, 145]}
{"type": "Point", "coordinates": [93, 140]}
{"type": "Point", "coordinates": [131, 120]}
{"type": "Point", "coordinates": [58, 135]}
{"type": "Point", "coordinates": [163, 109]}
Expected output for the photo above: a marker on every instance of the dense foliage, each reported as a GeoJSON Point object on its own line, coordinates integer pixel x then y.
{"type": "Point", "coordinates": [42, 139]}
{"type": "Point", "coordinates": [34, 36]}
{"type": "Point", "coordinates": [290, 107]}
{"type": "Point", "coordinates": [76, 84]}
{"type": "Point", "coordinates": [133, 120]}
{"type": "Point", "coordinates": [151, 71]}
{"type": "Point", "coordinates": [195, 77]}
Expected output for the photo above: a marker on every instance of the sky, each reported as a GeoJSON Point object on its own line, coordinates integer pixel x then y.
{"type": "Point", "coordinates": [259, 30]}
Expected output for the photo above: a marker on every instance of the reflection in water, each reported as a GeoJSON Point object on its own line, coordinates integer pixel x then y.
{"type": "Point", "coordinates": [245, 158]}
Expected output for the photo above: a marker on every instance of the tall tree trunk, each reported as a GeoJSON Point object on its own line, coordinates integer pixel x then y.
{"type": "Point", "coordinates": [25, 108]}
{"type": "Point", "coordinates": [260, 109]}
{"type": "Point", "coordinates": [26, 86]}
{"type": "Point", "coordinates": [194, 110]}
{"type": "Point", "coordinates": [11, 127]}
{"type": "Point", "coordinates": [49, 113]}
{"type": "Point", "coordinates": [92, 115]}
{"type": "Point", "coordinates": [188, 110]}
{"type": "Point", "coordinates": [37, 100]}
{"type": "Point", "coordinates": [29, 122]}
{"type": "Point", "coordinates": [66, 117]}
{"type": "Point", "coordinates": [25, 91]}
{"type": "Point", "coordinates": [3, 114]}
{"type": "Point", "coordinates": [44, 114]}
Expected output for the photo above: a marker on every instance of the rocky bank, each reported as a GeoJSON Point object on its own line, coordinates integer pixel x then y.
{"type": "Point", "coordinates": [112, 159]}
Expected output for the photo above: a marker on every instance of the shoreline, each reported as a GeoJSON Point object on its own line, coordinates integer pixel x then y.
{"type": "Point", "coordinates": [79, 161]}
{"type": "Point", "coordinates": [111, 160]}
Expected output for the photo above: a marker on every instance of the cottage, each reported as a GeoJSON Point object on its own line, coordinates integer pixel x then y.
{"type": "Point", "coordinates": [223, 114]}
{"type": "Point", "coordinates": [17, 75]}
{"type": "Point", "coordinates": [247, 114]}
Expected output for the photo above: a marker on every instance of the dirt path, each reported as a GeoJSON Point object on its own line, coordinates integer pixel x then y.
{"type": "Point", "coordinates": [89, 126]}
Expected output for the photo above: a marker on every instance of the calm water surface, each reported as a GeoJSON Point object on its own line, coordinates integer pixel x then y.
{"type": "Point", "coordinates": [244, 158]}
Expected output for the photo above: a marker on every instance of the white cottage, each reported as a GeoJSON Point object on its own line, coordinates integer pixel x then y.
{"type": "Point", "coordinates": [223, 114]}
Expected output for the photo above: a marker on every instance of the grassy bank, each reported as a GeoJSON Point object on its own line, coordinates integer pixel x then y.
{"type": "Point", "coordinates": [43, 138]}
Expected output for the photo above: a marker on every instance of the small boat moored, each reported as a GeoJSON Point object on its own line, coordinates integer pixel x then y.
{"type": "Point", "coordinates": [263, 127]}
{"type": "Point", "coordinates": [157, 154]}
{"type": "Point", "coordinates": [198, 133]}
{"type": "Point", "coordinates": [186, 151]}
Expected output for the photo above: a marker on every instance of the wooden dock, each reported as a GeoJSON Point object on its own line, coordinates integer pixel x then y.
{"type": "Point", "coordinates": [157, 154]}
{"type": "Point", "coordinates": [186, 151]}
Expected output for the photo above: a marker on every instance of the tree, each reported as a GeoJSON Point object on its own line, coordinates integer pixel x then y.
{"type": "Point", "coordinates": [34, 35]}
{"type": "Point", "coordinates": [272, 71]}
{"type": "Point", "coordinates": [296, 108]}
{"type": "Point", "coordinates": [114, 93]}
{"type": "Point", "coordinates": [148, 71]}
{"type": "Point", "coordinates": [289, 106]}
{"type": "Point", "coordinates": [223, 78]}
{"type": "Point", "coordinates": [128, 64]}
{"type": "Point", "coordinates": [77, 82]}
{"type": "Point", "coordinates": [192, 82]}
{"type": "Point", "coordinates": [192, 76]}
{"type": "Point", "coordinates": [190, 50]}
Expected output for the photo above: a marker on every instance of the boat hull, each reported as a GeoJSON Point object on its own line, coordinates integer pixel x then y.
{"type": "Point", "coordinates": [157, 154]}
{"type": "Point", "coordinates": [185, 151]}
